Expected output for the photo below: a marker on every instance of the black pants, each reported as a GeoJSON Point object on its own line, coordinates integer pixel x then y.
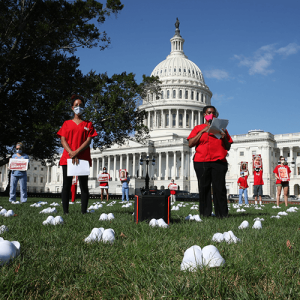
{"type": "Point", "coordinates": [212, 173]}
{"type": "Point", "coordinates": [67, 182]}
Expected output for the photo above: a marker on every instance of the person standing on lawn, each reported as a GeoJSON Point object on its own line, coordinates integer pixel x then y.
{"type": "Point", "coordinates": [243, 185]}
{"type": "Point", "coordinates": [76, 136]}
{"type": "Point", "coordinates": [18, 175]}
{"type": "Point", "coordinates": [210, 164]}
{"type": "Point", "coordinates": [125, 187]}
{"type": "Point", "coordinates": [282, 172]}
{"type": "Point", "coordinates": [104, 184]}
{"type": "Point", "coordinates": [172, 192]}
{"type": "Point", "coordinates": [258, 183]}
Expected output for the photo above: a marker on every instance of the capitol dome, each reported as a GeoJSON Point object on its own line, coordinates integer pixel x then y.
{"type": "Point", "coordinates": [179, 106]}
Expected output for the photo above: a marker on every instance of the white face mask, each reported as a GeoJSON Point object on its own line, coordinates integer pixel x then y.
{"type": "Point", "coordinates": [78, 110]}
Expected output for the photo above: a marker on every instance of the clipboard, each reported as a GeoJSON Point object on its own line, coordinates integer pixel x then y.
{"type": "Point", "coordinates": [82, 169]}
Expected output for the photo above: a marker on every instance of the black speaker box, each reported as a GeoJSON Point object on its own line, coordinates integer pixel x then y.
{"type": "Point", "coordinates": [151, 205]}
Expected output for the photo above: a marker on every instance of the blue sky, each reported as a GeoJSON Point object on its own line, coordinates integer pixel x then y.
{"type": "Point", "coordinates": [248, 51]}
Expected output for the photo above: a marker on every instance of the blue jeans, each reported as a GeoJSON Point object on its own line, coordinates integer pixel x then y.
{"type": "Point", "coordinates": [23, 187]}
{"type": "Point", "coordinates": [125, 191]}
{"type": "Point", "coordinates": [241, 191]}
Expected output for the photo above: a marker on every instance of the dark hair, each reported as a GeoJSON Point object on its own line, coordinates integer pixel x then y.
{"type": "Point", "coordinates": [74, 97]}
{"type": "Point", "coordinates": [205, 108]}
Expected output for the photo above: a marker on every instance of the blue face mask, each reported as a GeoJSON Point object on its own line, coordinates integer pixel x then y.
{"type": "Point", "coordinates": [19, 151]}
{"type": "Point", "coordinates": [78, 110]}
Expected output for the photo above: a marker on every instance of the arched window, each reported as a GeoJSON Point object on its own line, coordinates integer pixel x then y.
{"type": "Point", "coordinates": [186, 94]}
{"type": "Point", "coordinates": [168, 94]}
{"type": "Point", "coordinates": [151, 121]}
{"type": "Point", "coordinates": [180, 120]}
{"type": "Point", "coordinates": [174, 70]}
{"type": "Point", "coordinates": [187, 120]}
{"type": "Point", "coordinates": [180, 94]}
{"type": "Point", "coordinates": [162, 94]}
{"type": "Point", "coordinates": [192, 95]}
{"type": "Point", "coordinates": [201, 97]}
{"type": "Point", "coordinates": [179, 70]}
{"type": "Point", "coordinates": [174, 94]}
{"type": "Point", "coordinates": [167, 120]}
{"type": "Point", "coordinates": [196, 120]}
{"type": "Point", "coordinates": [197, 96]}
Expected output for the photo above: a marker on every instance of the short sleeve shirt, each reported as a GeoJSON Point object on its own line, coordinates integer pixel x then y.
{"type": "Point", "coordinates": [243, 182]}
{"type": "Point", "coordinates": [277, 172]}
{"type": "Point", "coordinates": [209, 147]}
{"type": "Point", "coordinates": [75, 136]}
{"type": "Point", "coordinates": [258, 177]}
{"type": "Point", "coordinates": [17, 172]}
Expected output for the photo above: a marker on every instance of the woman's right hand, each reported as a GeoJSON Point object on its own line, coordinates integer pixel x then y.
{"type": "Point", "coordinates": [72, 154]}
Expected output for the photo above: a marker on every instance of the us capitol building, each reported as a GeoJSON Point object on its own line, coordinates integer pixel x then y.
{"type": "Point", "coordinates": [170, 119]}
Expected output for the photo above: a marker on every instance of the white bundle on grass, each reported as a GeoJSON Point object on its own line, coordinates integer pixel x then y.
{"type": "Point", "coordinates": [195, 258]}
{"type": "Point", "coordinates": [8, 250]}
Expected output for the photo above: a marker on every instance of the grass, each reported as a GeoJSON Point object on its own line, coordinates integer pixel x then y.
{"type": "Point", "coordinates": [144, 262]}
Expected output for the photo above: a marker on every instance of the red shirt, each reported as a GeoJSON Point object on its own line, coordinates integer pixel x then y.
{"type": "Point", "coordinates": [75, 136]}
{"type": "Point", "coordinates": [277, 172]}
{"type": "Point", "coordinates": [243, 182]}
{"type": "Point", "coordinates": [258, 177]}
{"type": "Point", "coordinates": [209, 148]}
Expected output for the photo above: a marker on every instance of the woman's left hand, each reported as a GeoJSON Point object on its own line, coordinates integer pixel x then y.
{"type": "Point", "coordinates": [223, 134]}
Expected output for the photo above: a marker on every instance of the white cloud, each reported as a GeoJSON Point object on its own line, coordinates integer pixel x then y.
{"type": "Point", "coordinates": [290, 49]}
{"type": "Point", "coordinates": [217, 74]}
{"type": "Point", "coordinates": [262, 59]}
{"type": "Point", "coordinates": [220, 98]}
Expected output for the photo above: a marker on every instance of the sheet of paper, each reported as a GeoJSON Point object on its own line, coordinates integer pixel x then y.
{"type": "Point", "coordinates": [217, 125]}
{"type": "Point", "coordinates": [82, 169]}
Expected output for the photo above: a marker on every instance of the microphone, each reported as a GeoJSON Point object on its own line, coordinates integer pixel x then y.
{"type": "Point", "coordinates": [209, 122]}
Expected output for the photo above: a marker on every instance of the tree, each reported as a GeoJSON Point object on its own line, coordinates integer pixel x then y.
{"type": "Point", "coordinates": [112, 107]}
{"type": "Point", "coordinates": [38, 68]}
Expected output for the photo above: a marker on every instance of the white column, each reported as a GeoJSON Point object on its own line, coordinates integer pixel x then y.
{"type": "Point", "coordinates": [162, 119]}
{"type": "Point", "coordinates": [121, 161]}
{"type": "Point", "coordinates": [182, 165]}
{"type": "Point", "coordinates": [177, 118]}
{"type": "Point", "coordinates": [170, 119]}
{"type": "Point", "coordinates": [115, 167]}
{"type": "Point", "coordinates": [184, 119]}
{"type": "Point", "coordinates": [199, 118]}
{"type": "Point", "coordinates": [174, 164]}
{"type": "Point", "coordinates": [140, 167]}
{"type": "Point", "coordinates": [281, 151]}
{"type": "Point", "coordinates": [98, 166]}
{"type": "Point", "coordinates": [108, 164]}
{"type": "Point", "coordinates": [103, 162]}
{"type": "Point", "coordinates": [149, 119]}
{"type": "Point", "coordinates": [48, 174]}
{"type": "Point", "coordinates": [192, 120]}
{"type": "Point", "coordinates": [167, 166]}
{"type": "Point", "coordinates": [159, 165]}
{"type": "Point", "coordinates": [133, 165]}
{"type": "Point", "coordinates": [127, 162]}
{"type": "Point", "coordinates": [155, 121]}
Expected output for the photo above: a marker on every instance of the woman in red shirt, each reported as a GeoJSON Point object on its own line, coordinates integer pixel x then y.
{"type": "Point", "coordinates": [282, 172]}
{"type": "Point", "coordinates": [76, 136]}
{"type": "Point", "coordinates": [210, 165]}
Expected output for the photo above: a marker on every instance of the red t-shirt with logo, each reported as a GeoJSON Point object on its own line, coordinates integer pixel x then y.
{"type": "Point", "coordinates": [75, 136]}
{"type": "Point", "coordinates": [258, 177]}
{"type": "Point", "coordinates": [243, 182]}
{"type": "Point", "coordinates": [277, 172]}
{"type": "Point", "coordinates": [209, 148]}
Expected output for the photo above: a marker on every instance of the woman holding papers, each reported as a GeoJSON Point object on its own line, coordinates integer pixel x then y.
{"type": "Point", "coordinates": [103, 179]}
{"type": "Point", "coordinates": [210, 164]}
{"type": "Point", "coordinates": [76, 136]}
{"type": "Point", "coordinates": [18, 175]}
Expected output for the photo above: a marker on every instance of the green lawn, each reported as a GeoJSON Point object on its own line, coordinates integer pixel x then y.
{"type": "Point", "coordinates": [144, 262]}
